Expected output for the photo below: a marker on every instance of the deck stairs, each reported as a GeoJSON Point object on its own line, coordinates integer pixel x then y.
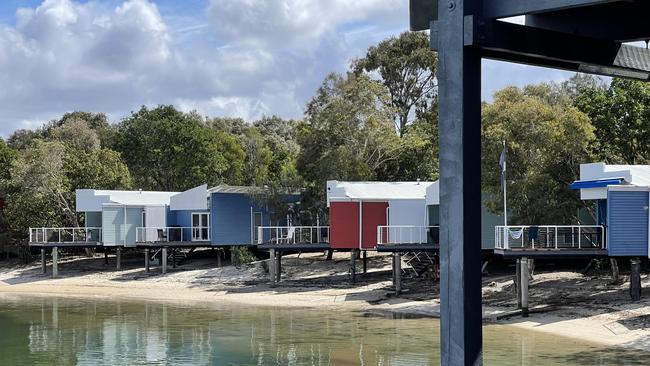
{"type": "Point", "coordinates": [419, 264]}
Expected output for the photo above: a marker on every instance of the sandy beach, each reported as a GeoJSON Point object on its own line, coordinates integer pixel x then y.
{"type": "Point", "coordinates": [589, 307]}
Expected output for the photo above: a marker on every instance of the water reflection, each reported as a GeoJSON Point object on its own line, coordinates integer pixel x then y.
{"type": "Point", "coordinates": [43, 331]}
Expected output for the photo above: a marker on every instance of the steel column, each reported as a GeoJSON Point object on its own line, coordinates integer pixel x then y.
{"type": "Point", "coordinates": [459, 80]}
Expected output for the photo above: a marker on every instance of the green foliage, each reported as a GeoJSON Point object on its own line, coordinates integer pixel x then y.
{"type": "Point", "coordinates": [348, 134]}
{"type": "Point", "coordinates": [547, 140]}
{"type": "Point", "coordinates": [621, 115]}
{"type": "Point", "coordinates": [241, 255]}
{"type": "Point", "coordinates": [7, 156]}
{"type": "Point", "coordinates": [407, 67]}
{"type": "Point", "coordinates": [166, 149]}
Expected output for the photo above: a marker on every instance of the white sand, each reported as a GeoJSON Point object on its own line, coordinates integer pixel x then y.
{"type": "Point", "coordinates": [588, 308]}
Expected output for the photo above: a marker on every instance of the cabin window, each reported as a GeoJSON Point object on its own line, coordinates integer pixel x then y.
{"type": "Point", "coordinates": [201, 226]}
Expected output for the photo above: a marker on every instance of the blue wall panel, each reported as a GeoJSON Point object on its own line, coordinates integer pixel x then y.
{"type": "Point", "coordinates": [627, 220]}
{"type": "Point", "coordinates": [183, 218]}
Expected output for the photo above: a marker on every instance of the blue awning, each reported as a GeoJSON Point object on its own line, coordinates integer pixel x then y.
{"type": "Point", "coordinates": [597, 183]}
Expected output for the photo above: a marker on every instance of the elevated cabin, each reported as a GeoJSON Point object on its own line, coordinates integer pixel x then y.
{"type": "Point", "coordinates": [489, 220]}
{"type": "Point", "coordinates": [621, 194]}
{"type": "Point", "coordinates": [365, 213]}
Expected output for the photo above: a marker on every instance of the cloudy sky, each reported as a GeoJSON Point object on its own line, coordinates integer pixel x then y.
{"type": "Point", "coordinates": [244, 58]}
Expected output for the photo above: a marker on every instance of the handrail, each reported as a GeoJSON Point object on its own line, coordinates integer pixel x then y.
{"type": "Point", "coordinates": [69, 234]}
{"type": "Point", "coordinates": [408, 234]}
{"type": "Point", "coordinates": [549, 237]}
{"type": "Point", "coordinates": [165, 234]}
{"type": "Point", "coordinates": [292, 235]}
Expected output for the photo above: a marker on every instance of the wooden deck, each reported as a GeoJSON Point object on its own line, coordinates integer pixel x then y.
{"type": "Point", "coordinates": [80, 244]}
{"type": "Point", "coordinates": [408, 247]}
{"type": "Point", "coordinates": [178, 244]}
{"type": "Point", "coordinates": [551, 253]}
{"type": "Point", "coordinates": [302, 247]}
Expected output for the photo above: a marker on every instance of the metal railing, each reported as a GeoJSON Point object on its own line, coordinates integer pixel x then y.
{"type": "Point", "coordinates": [171, 234]}
{"type": "Point", "coordinates": [42, 235]}
{"type": "Point", "coordinates": [292, 235]}
{"type": "Point", "coordinates": [549, 237]}
{"type": "Point", "coordinates": [407, 234]}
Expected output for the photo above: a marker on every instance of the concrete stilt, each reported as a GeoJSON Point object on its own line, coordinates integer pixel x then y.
{"type": "Point", "coordinates": [55, 262]}
{"type": "Point", "coordinates": [118, 258]}
{"type": "Point", "coordinates": [272, 263]}
{"type": "Point", "coordinates": [164, 260]}
{"type": "Point", "coordinates": [398, 273]}
{"type": "Point", "coordinates": [147, 259]}
{"type": "Point", "coordinates": [635, 279]}
{"type": "Point", "coordinates": [525, 276]}
{"type": "Point", "coordinates": [43, 262]}
{"type": "Point", "coordinates": [365, 261]}
{"type": "Point", "coordinates": [353, 265]}
{"type": "Point", "coordinates": [278, 266]}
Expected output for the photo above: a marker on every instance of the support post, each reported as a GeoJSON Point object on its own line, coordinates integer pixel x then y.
{"type": "Point", "coordinates": [219, 254]}
{"type": "Point", "coordinates": [525, 277]}
{"type": "Point", "coordinates": [330, 252]}
{"type": "Point", "coordinates": [459, 83]}
{"type": "Point", "coordinates": [614, 266]}
{"type": "Point", "coordinates": [272, 266]}
{"type": "Point", "coordinates": [147, 258]}
{"type": "Point", "coordinates": [173, 257]}
{"type": "Point", "coordinates": [635, 279]}
{"type": "Point", "coordinates": [105, 255]}
{"type": "Point", "coordinates": [278, 266]}
{"type": "Point", "coordinates": [55, 262]}
{"type": "Point", "coordinates": [164, 259]}
{"type": "Point", "coordinates": [353, 265]}
{"type": "Point", "coordinates": [118, 258]}
{"type": "Point", "coordinates": [365, 261]}
{"type": "Point", "coordinates": [398, 273]}
{"type": "Point", "coordinates": [518, 282]}
{"type": "Point", "coordinates": [43, 262]}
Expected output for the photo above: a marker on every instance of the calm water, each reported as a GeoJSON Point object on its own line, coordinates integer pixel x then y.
{"type": "Point", "coordinates": [64, 331]}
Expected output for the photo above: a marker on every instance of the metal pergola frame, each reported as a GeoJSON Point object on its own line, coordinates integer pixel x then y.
{"type": "Point", "coordinates": [577, 35]}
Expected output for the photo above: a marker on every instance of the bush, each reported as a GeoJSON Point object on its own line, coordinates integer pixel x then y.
{"type": "Point", "coordinates": [241, 255]}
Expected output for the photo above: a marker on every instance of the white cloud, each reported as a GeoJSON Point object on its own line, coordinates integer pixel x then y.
{"type": "Point", "coordinates": [241, 58]}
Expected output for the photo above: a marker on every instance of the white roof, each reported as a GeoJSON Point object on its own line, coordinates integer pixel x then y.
{"type": "Point", "coordinates": [433, 194]}
{"type": "Point", "coordinates": [92, 200]}
{"type": "Point", "coordinates": [348, 191]}
{"type": "Point", "coordinates": [634, 175]}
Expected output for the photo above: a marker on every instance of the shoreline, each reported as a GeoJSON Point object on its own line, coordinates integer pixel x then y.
{"type": "Point", "coordinates": [624, 325]}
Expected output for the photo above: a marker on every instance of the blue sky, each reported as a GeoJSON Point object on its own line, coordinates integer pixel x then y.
{"type": "Point", "coordinates": [244, 58]}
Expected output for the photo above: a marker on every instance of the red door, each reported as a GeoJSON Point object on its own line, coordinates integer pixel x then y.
{"type": "Point", "coordinates": [344, 225]}
{"type": "Point", "coordinates": [374, 215]}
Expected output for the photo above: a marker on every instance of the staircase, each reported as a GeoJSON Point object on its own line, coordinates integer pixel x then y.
{"type": "Point", "coordinates": [420, 264]}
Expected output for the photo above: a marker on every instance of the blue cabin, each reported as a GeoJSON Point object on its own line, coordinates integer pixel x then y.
{"type": "Point", "coordinates": [220, 216]}
{"type": "Point", "coordinates": [622, 195]}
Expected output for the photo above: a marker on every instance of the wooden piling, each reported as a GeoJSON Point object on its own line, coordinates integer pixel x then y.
{"type": "Point", "coordinates": [353, 265]}
{"type": "Point", "coordinates": [219, 254]}
{"type": "Point", "coordinates": [43, 262]}
{"type": "Point", "coordinates": [398, 273]}
{"type": "Point", "coordinates": [635, 279]}
{"type": "Point", "coordinates": [525, 277]}
{"type": "Point", "coordinates": [55, 262]}
{"type": "Point", "coordinates": [164, 259]}
{"type": "Point", "coordinates": [365, 261]}
{"type": "Point", "coordinates": [518, 282]}
{"type": "Point", "coordinates": [118, 258]}
{"type": "Point", "coordinates": [614, 266]}
{"type": "Point", "coordinates": [278, 266]}
{"type": "Point", "coordinates": [105, 256]}
{"type": "Point", "coordinates": [272, 266]}
{"type": "Point", "coordinates": [147, 258]}
{"type": "Point", "coordinates": [173, 257]}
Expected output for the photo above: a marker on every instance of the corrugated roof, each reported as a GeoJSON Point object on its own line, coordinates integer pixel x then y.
{"type": "Point", "coordinates": [224, 188]}
{"type": "Point", "coordinates": [376, 190]}
{"type": "Point", "coordinates": [637, 175]}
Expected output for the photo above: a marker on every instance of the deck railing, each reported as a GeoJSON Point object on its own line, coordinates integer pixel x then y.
{"type": "Point", "coordinates": [171, 234]}
{"type": "Point", "coordinates": [407, 234]}
{"type": "Point", "coordinates": [292, 235]}
{"type": "Point", "coordinates": [549, 237]}
{"type": "Point", "coordinates": [43, 235]}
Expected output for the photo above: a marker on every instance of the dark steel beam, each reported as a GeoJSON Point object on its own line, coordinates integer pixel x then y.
{"type": "Point", "coordinates": [422, 13]}
{"type": "Point", "coordinates": [623, 21]}
{"type": "Point", "coordinates": [539, 47]}
{"type": "Point", "coordinates": [509, 8]}
{"type": "Point", "coordinates": [459, 82]}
